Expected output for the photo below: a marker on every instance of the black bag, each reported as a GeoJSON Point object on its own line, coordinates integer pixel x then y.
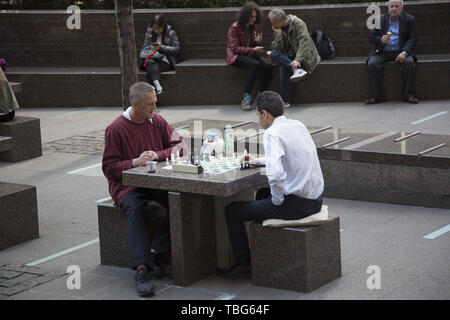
{"type": "Point", "coordinates": [323, 44]}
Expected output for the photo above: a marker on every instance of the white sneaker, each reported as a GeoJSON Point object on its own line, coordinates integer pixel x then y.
{"type": "Point", "coordinates": [287, 105]}
{"type": "Point", "coordinates": [299, 74]}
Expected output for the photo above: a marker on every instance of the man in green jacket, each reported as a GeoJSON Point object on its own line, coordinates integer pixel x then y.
{"type": "Point", "coordinates": [292, 49]}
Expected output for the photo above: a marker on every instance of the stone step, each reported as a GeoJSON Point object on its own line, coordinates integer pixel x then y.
{"type": "Point", "coordinates": [202, 32]}
{"type": "Point", "coordinates": [16, 87]}
{"type": "Point", "coordinates": [212, 82]}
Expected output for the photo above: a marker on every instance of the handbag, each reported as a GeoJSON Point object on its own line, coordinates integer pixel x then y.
{"type": "Point", "coordinates": [154, 55]}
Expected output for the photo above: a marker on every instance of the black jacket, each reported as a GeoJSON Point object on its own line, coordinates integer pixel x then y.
{"type": "Point", "coordinates": [170, 46]}
{"type": "Point", "coordinates": [407, 30]}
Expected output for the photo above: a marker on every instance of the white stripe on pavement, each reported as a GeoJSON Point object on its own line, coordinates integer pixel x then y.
{"type": "Point", "coordinates": [438, 232]}
{"type": "Point", "coordinates": [61, 253]}
{"type": "Point", "coordinates": [85, 168]}
{"type": "Point", "coordinates": [430, 117]}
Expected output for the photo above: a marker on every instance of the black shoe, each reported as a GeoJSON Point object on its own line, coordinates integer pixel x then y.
{"type": "Point", "coordinates": [143, 282]}
{"type": "Point", "coordinates": [237, 271]}
{"type": "Point", "coordinates": [411, 99]}
{"type": "Point", "coordinates": [374, 100]}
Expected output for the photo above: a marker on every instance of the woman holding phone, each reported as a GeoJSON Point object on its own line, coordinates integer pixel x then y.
{"type": "Point", "coordinates": [158, 53]}
{"type": "Point", "coordinates": [244, 49]}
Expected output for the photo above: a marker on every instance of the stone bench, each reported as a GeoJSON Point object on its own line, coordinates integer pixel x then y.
{"type": "Point", "coordinates": [212, 82]}
{"type": "Point", "coordinates": [295, 258]}
{"type": "Point", "coordinates": [18, 214]}
{"type": "Point", "coordinates": [5, 143]}
{"type": "Point", "coordinates": [25, 133]}
{"type": "Point", "coordinates": [112, 232]}
{"type": "Point", "coordinates": [202, 32]}
{"type": "Point", "coordinates": [16, 87]}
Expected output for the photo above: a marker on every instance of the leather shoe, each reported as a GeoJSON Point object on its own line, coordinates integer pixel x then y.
{"type": "Point", "coordinates": [374, 100]}
{"type": "Point", "coordinates": [411, 99]}
{"type": "Point", "coordinates": [143, 282]}
{"type": "Point", "coordinates": [237, 271]}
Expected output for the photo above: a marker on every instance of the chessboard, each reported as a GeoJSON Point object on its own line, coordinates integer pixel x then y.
{"type": "Point", "coordinates": [216, 165]}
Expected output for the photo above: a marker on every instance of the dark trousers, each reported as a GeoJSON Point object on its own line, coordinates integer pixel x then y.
{"type": "Point", "coordinates": [134, 205]}
{"type": "Point", "coordinates": [375, 67]}
{"type": "Point", "coordinates": [254, 64]}
{"type": "Point", "coordinates": [154, 68]}
{"type": "Point", "coordinates": [293, 208]}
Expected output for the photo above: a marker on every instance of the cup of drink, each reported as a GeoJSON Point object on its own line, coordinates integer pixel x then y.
{"type": "Point", "coordinates": [151, 166]}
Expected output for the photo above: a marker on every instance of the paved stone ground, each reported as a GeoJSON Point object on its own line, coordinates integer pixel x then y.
{"type": "Point", "coordinates": [91, 143]}
{"type": "Point", "coordinates": [390, 236]}
{"type": "Point", "coordinates": [17, 278]}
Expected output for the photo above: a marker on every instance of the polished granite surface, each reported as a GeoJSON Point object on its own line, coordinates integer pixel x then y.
{"type": "Point", "coordinates": [224, 184]}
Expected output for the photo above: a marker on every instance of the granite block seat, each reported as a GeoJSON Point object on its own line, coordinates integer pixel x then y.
{"type": "Point", "coordinates": [25, 133]}
{"type": "Point", "coordinates": [295, 258]}
{"type": "Point", "coordinates": [5, 143]}
{"type": "Point", "coordinates": [18, 214]}
{"type": "Point", "coordinates": [112, 232]}
{"type": "Point", "coordinates": [212, 82]}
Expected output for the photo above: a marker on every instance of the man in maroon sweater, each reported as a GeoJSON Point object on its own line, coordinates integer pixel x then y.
{"type": "Point", "coordinates": [136, 136]}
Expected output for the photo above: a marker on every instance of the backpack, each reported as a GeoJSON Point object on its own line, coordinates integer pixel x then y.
{"type": "Point", "coordinates": [323, 44]}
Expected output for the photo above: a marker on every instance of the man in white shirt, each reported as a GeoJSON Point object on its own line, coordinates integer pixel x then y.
{"type": "Point", "coordinates": [294, 175]}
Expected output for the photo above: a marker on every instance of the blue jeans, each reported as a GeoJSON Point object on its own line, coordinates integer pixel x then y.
{"type": "Point", "coordinates": [285, 72]}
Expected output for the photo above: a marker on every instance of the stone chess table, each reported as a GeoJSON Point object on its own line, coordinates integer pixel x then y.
{"type": "Point", "coordinates": [197, 202]}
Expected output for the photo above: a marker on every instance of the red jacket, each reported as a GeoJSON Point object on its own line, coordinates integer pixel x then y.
{"type": "Point", "coordinates": [126, 140]}
{"type": "Point", "coordinates": [237, 42]}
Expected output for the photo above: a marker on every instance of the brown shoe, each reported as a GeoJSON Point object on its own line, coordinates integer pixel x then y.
{"type": "Point", "coordinates": [411, 99]}
{"type": "Point", "coordinates": [374, 100]}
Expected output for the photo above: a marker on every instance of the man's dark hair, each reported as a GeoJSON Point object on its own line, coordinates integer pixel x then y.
{"type": "Point", "coordinates": [159, 20]}
{"type": "Point", "coordinates": [271, 102]}
{"type": "Point", "coordinates": [246, 12]}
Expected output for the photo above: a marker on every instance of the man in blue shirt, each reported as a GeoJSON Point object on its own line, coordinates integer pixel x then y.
{"type": "Point", "coordinates": [394, 41]}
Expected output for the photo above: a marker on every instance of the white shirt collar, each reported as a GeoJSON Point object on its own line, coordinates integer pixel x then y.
{"type": "Point", "coordinates": [126, 114]}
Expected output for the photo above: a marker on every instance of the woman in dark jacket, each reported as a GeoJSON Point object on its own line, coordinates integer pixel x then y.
{"type": "Point", "coordinates": [159, 50]}
{"type": "Point", "coordinates": [244, 50]}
